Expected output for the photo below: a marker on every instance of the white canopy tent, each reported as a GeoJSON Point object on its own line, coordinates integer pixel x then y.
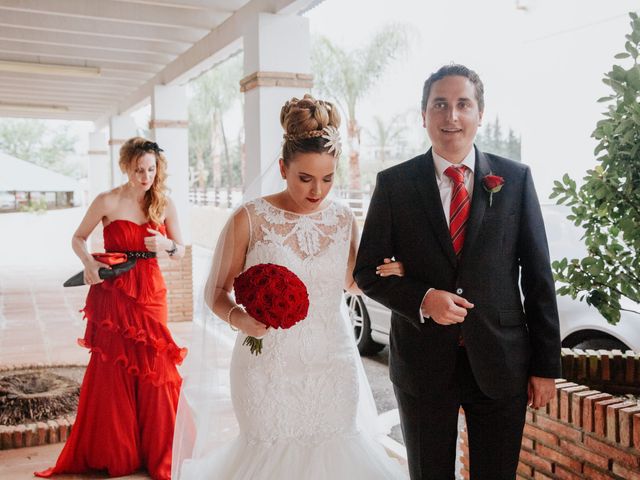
{"type": "Point", "coordinates": [21, 182]}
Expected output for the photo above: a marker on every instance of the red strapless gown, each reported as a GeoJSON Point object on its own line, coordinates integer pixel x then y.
{"type": "Point", "coordinates": [129, 395]}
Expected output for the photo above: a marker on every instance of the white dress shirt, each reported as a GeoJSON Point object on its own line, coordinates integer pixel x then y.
{"type": "Point", "coordinates": [445, 186]}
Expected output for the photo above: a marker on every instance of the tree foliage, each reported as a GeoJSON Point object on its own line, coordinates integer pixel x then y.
{"type": "Point", "coordinates": [346, 76]}
{"type": "Point", "coordinates": [388, 136]}
{"type": "Point", "coordinates": [492, 139]}
{"type": "Point", "coordinates": [38, 142]}
{"type": "Point", "coordinates": [211, 156]}
{"type": "Point", "coordinates": [607, 204]}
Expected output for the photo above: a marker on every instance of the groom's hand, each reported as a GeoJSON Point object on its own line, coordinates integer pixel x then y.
{"type": "Point", "coordinates": [541, 391]}
{"type": "Point", "coordinates": [445, 308]}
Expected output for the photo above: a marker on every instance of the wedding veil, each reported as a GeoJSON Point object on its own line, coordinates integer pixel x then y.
{"type": "Point", "coordinates": [205, 419]}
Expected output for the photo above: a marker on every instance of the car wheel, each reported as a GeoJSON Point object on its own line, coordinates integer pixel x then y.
{"type": "Point", "coordinates": [593, 340]}
{"type": "Point", "coordinates": [361, 326]}
{"type": "Point", "coordinates": [601, 344]}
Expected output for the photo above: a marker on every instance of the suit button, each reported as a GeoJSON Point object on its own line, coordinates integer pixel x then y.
{"type": "Point", "coordinates": [459, 291]}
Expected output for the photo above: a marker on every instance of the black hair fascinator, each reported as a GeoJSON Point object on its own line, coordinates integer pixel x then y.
{"type": "Point", "coordinates": [146, 146]}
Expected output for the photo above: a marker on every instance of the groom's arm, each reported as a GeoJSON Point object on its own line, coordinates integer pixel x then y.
{"type": "Point", "coordinates": [401, 294]}
{"type": "Point", "coordinates": [538, 287]}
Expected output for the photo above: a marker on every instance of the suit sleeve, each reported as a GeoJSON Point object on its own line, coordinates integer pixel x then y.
{"type": "Point", "coordinates": [538, 287]}
{"type": "Point", "coordinates": [403, 295]}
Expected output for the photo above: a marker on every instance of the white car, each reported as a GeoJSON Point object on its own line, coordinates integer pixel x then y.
{"type": "Point", "coordinates": [581, 326]}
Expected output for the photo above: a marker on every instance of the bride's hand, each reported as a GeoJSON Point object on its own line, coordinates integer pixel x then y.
{"type": "Point", "coordinates": [248, 325]}
{"type": "Point", "coordinates": [389, 268]}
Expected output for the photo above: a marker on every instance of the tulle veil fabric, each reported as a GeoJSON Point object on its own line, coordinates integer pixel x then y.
{"type": "Point", "coordinates": [205, 419]}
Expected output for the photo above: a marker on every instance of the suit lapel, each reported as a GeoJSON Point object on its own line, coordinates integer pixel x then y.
{"type": "Point", "coordinates": [424, 181]}
{"type": "Point", "coordinates": [479, 201]}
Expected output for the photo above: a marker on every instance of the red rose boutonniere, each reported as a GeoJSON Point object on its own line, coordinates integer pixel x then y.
{"type": "Point", "coordinates": [492, 184]}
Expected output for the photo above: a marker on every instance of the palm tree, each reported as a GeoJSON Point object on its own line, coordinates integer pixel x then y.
{"type": "Point", "coordinates": [215, 92]}
{"type": "Point", "coordinates": [345, 76]}
{"type": "Point", "coordinates": [387, 134]}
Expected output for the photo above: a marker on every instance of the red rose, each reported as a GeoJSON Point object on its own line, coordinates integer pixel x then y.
{"type": "Point", "coordinates": [493, 183]}
{"type": "Point", "coordinates": [273, 295]}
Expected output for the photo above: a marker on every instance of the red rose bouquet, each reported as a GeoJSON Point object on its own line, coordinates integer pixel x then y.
{"type": "Point", "coordinates": [273, 295]}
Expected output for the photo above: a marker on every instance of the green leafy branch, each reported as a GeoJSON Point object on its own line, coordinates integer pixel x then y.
{"type": "Point", "coordinates": [607, 204]}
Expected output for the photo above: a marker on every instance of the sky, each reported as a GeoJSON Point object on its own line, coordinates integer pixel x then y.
{"type": "Point", "coordinates": [541, 65]}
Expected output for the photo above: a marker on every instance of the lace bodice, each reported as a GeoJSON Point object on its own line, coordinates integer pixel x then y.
{"type": "Point", "coordinates": [309, 369]}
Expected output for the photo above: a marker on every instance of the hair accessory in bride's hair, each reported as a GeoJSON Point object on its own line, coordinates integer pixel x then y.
{"type": "Point", "coordinates": [329, 133]}
{"type": "Point", "coordinates": [332, 135]}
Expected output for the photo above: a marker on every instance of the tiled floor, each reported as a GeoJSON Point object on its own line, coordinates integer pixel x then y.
{"type": "Point", "coordinates": [40, 324]}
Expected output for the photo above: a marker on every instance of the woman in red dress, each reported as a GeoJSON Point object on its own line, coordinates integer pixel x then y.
{"type": "Point", "coordinates": [130, 390]}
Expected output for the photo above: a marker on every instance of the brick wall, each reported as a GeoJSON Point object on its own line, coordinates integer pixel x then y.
{"type": "Point", "coordinates": [610, 371]}
{"type": "Point", "coordinates": [178, 276]}
{"type": "Point", "coordinates": [582, 434]}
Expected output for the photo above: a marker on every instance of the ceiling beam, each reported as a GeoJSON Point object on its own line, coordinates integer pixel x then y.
{"type": "Point", "coordinates": [44, 80]}
{"type": "Point", "coordinates": [42, 21]}
{"type": "Point", "coordinates": [27, 85]}
{"type": "Point", "coordinates": [108, 10]}
{"type": "Point", "coordinates": [64, 39]}
{"type": "Point", "coordinates": [86, 97]}
{"type": "Point", "coordinates": [192, 4]}
{"type": "Point", "coordinates": [125, 67]}
{"type": "Point", "coordinates": [83, 53]}
{"type": "Point", "coordinates": [69, 116]}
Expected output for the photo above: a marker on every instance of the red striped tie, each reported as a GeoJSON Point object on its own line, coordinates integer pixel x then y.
{"type": "Point", "coordinates": [460, 206]}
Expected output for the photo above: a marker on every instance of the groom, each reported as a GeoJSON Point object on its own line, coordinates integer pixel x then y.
{"type": "Point", "coordinates": [467, 226]}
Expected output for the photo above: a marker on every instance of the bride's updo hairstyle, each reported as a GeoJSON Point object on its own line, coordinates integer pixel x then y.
{"type": "Point", "coordinates": [311, 126]}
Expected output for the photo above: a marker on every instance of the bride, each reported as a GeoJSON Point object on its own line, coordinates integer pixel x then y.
{"type": "Point", "coordinates": [299, 409]}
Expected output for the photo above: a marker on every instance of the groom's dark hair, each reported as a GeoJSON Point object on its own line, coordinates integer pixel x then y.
{"type": "Point", "coordinates": [450, 71]}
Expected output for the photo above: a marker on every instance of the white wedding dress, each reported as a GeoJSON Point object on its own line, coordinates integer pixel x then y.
{"type": "Point", "coordinates": [296, 404]}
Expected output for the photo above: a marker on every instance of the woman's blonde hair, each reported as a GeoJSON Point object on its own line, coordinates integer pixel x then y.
{"type": "Point", "coordinates": [155, 199]}
{"type": "Point", "coordinates": [305, 123]}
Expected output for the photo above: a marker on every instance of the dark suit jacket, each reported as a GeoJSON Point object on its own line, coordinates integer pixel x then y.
{"type": "Point", "coordinates": [505, 249]}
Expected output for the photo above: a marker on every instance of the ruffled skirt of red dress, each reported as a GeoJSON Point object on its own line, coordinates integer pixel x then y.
{"type": "Point", "coordinates": [129, 395]}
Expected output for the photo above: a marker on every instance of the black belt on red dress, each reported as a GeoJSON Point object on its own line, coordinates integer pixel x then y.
{"type": "Point", "coordinates": [140, 255]}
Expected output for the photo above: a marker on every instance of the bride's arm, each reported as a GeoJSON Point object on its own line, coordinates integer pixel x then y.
{"type": "Point", "coordinates": [350, 283]}
{"type": "Point", "coordinates": [389, 267]}
{"type": "Point", "coordinates": [229, 259]}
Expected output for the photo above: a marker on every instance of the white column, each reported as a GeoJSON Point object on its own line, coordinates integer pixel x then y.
{"type": "Point", "coordinates": [168, 126]}
{"type": "Point", "coordinates": [121, 128]}
{"type": "Point", "coordinates": [277, 66]}
{"type": "Point", "coordinates": [99, 164]}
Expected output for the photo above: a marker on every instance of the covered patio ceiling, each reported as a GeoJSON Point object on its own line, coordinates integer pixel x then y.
{"type": "Point", "coordinates": [118, 50]}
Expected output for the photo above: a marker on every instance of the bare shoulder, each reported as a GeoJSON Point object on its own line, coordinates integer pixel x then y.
{"type": "Point", "coordinates": [107, 202]}
{"type": "Point", "coordinates": [240, 219]}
